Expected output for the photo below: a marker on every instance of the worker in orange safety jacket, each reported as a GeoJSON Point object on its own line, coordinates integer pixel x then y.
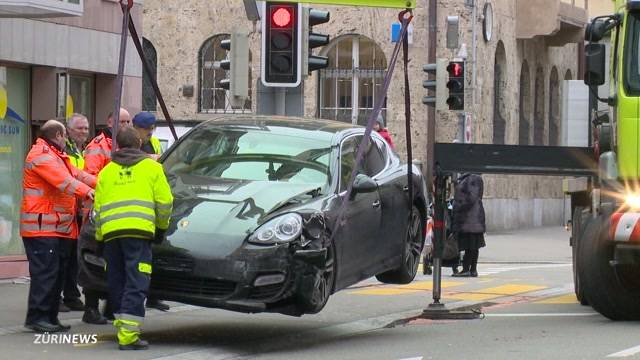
{"type": "Point", "coordinates": [97, 154]}
{"type": "Point", "coordinates": [51, 186]}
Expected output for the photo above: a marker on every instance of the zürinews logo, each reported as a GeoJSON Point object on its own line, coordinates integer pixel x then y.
{"type": "Point", "coordinates": [73, 339]}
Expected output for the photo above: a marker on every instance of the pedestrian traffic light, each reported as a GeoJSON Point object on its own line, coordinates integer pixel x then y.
{"type": "Point", "coordinates": [456, 85]}
{"type": "Point", "coordinates": [281, 44]}
{"type": "Point", "coordinates": [311, 40]}
{"type": "Point", "coordinates": [237, 65]}
{"type": "Point", "coordinates": [435, 86]}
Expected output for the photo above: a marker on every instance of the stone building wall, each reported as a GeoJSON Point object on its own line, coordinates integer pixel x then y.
{"type": "Point", "coordinates": [178, 28]}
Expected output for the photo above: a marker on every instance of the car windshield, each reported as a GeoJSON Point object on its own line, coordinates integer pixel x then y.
{"type": "Point", "coordinates": [248, 153]}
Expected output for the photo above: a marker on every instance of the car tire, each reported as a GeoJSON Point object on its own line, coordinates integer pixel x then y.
{"type": "Point", "coordinates": [412, 250]}
{"type": "Point", "coordinates": [322, 285]}
{"type": "Point", "coordinates": [603, 290]}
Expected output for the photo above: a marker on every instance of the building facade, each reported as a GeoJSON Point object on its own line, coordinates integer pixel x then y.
{"type": "Point", "coordinates": [518, 54]}
{"type": "Point", "coordinates": [57, 57]}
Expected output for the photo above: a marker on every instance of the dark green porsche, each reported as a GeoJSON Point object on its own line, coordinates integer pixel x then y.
{"type": "Point", "coordinates": [254, 224]}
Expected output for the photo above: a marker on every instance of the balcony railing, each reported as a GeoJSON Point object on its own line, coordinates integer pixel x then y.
{"type": "Point", "coordinates": [40, 8]}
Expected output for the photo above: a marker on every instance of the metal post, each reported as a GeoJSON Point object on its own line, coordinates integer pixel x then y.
{"type": "Point", "coordinates": [280, 101]}
{"type": "Point", "coordinates": [437, 310]}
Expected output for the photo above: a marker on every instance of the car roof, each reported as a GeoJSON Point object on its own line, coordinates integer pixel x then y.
{"type": "Point", "coordinates": [308, 127]}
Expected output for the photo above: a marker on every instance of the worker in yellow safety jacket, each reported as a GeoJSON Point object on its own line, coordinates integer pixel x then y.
{"type": "Point", "coordinates": [145, 123]}
{"type": "Point", "coordinates": [132, 206]}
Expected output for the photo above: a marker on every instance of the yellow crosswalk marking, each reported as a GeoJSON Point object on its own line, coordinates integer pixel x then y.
{"type": "Point", "coordinates": [411, 288]}
{"type": "Point", "coordinates": [562, 299]}
{"type": "Point", "coordinates": [494, 292]}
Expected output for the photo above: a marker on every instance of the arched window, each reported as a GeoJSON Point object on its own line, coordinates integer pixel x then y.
{"type": "Point", "coordinates": [211, 97]}
{"type": "Point", "coordinates": [538, 108]}
{"type": "Point", "coordinates": [525, 105]}
{"type": "Point", "coordinates": [554, 108]}
{"type": "Point", "coordinates": [567, 75]}
{"type": "Point", "coordinates": [349, 85]}
{"type": "Point", "coordinates": [148, 95]}
{"type": "Point", "coordinates": [499, 82]}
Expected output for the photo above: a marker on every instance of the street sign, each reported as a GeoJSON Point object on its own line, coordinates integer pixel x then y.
{"type": "Point", "coordinates": [399, 4]}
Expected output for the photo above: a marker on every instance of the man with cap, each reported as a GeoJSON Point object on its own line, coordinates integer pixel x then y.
{"type": "Point", "coordinates": [145, 123]}
{"type": "Point", "coordinates": [379, 127]}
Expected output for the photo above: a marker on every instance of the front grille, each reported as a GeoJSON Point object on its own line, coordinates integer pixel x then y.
{"type": "Point", "coordinates": [265, 292]}
{"type": "Point", "coordinates": [174, 264]}
{"type": "Point", "coordinates": [192, 285]}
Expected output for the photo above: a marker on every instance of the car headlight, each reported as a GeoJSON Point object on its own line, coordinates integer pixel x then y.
{"type": "Point", "coordinates": [281, 229]}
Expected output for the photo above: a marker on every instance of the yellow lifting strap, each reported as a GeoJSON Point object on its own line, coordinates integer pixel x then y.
{"type": "Point", "coordinates": [396, 4]}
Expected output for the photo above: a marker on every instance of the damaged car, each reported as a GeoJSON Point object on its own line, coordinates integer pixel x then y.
{"type": "Point", "coordinates": [262, 220]}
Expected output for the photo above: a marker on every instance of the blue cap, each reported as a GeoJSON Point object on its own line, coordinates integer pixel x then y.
{"type": "Point", "coordinates": [144, 120]}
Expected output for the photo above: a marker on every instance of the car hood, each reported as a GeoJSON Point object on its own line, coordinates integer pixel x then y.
{"type": "Point", "coordinates": [212, 218]}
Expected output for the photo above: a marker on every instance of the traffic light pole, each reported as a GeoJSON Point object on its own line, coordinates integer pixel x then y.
{"type": "Point", "coordinates": [280, 101]}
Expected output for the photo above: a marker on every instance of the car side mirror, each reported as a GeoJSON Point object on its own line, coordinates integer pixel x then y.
{"type": "Point", "coordinates": [363, 184]}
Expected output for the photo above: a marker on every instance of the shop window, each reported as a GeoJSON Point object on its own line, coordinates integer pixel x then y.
{"type": "Point", "coordinates": [13, 146]}
{"type": "Point", "coordinates": [75, 95]}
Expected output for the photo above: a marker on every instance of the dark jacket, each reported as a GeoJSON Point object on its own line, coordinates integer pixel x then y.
{"type": "Point", "coordinates": [468, 212]}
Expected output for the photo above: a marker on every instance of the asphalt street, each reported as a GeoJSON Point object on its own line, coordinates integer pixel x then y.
{"type": "Point", "coordinates": [524, 292]}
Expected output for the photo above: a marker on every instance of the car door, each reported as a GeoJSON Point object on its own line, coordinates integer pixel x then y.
{"type": "Point", "coordinates": [358, 237]}
{"type": "Point", "coordinates": [392, 183]}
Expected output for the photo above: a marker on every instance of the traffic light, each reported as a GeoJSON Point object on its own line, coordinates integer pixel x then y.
{"type": "Point", "coordinates": [281, 44]}
{"type": "Point", "coordinates": [435, 86]}
{"type": "Point", "coordinates": [313, 40]}
{"type": "Point", "coordinates": [237, 65]}
{"type": "Point", "coordinates": [456, 85]}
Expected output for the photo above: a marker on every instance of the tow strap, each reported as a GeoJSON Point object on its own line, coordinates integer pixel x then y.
{"type": "Point", "coordinates": [405, 18]}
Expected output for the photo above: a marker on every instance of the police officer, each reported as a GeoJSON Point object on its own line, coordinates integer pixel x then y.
{"type": "Point", "coordinates": [51, 187]}
{"type": "Point", "coordinates": [132, 207]}
{"type": "Point", "coordinates": [78, 133]}
{"type": "Point", "coordinates": [145, 123]}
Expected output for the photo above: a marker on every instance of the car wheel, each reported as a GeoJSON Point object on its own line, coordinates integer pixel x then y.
{"type": "Point", "coordinates": [414, 241]}
{"type": "Point", "coordinates": [313, 298]}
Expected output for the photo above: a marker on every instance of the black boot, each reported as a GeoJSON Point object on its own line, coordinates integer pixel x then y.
{"type": "Point", "coordinates": [157, 304]}
{"type": "Point", "coordinates": [92, 316]}
{"type": "Point", "coordinates": [137, 345]}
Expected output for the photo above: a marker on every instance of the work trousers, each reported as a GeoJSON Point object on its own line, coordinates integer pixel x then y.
{"type": "Point", "coordinates": [128, 274]}
{"type": "Point", "coordinates": [43, 254]}
{"type": "Point", "coordinates": [69, 269]}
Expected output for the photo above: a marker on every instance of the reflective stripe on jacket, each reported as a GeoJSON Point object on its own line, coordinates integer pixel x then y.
{"type": "Point", "coordinates": [155, 143]}
{"type": "Point", "coordinates": [97, 154]}
{"type": "Point", "coordinates": [132, 201]}
{"type": "Point", "coordinates": [75, 155]}
{"type": "Point", "coordinates": [50, 188]}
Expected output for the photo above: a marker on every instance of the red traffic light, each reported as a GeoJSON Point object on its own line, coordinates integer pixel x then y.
{"type": "Point", "coordinates": [455, 69]}
{"type": "Point", "coordinates": [282, 16]}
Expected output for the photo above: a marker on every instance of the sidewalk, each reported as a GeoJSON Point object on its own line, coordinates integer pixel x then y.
{"type": "Point", "coordinates": [546, 244]}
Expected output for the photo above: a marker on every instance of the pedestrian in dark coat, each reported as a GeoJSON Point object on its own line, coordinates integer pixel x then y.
{"type": "Point", "coordinates": [469, 221]}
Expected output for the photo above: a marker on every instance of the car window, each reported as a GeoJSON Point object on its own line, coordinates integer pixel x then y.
{"type": "Point", "coordinates": [251, 154]}
{"type": "Point", "coordinates": [373, 160]}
